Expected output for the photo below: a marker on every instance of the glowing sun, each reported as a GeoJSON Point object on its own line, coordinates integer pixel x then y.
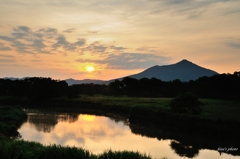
{"type": "Point", "coordinates": [90, 68]}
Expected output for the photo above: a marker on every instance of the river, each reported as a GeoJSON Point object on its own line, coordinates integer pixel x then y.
{"type": "Point", "coordinates": [99, 133]}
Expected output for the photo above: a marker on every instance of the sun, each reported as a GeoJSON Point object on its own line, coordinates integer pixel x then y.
{"type": "Point", "coordinates": [90, 68]}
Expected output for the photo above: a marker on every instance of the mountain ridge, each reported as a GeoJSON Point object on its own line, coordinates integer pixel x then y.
{"type": "Point", "coordinates": [183, 70]}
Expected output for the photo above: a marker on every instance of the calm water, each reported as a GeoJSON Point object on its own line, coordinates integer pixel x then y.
{"type": "Point", "coordinates": [98, 133]}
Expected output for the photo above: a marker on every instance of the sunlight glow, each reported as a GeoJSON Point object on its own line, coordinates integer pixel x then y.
{"type": "Point", "coordinates": [87, 117]}
{"type": "Point", "coordinates": [90, 68]}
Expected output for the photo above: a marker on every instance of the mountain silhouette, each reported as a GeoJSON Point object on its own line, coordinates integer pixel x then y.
{"type": "Point", "coordinates": [71, 81]}
{"type": "Point", "coordinates": [183, 70]}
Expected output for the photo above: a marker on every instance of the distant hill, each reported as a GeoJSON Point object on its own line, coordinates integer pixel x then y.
{"type": "Point", "coordinates": [71, 81]}
{"type": "Point", "coordinates": [13, 78]}
{"type": "Point", "coordinates": [183, 70]}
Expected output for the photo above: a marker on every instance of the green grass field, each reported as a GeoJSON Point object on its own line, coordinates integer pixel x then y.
{"type": "Point", "coordinates": [220, 109]}
{"type": "Point", "coordinates": [212, 109]}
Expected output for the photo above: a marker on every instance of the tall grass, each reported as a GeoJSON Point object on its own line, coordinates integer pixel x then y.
{"type": "Point", "coordinates": [33, 150]}
{"type": "Point", "coordinates": [10, 119]}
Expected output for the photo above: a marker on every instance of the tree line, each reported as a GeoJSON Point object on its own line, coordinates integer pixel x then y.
{"type": "Point", "coordinates": [220, 86]}
{"type": "Point", "coordinates": [36, 88]}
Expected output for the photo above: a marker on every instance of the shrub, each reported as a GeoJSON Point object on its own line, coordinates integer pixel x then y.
{"type": "Point", "coordinates": [185, 103]}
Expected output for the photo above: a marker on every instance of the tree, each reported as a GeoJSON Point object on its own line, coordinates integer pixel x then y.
{"type": "Point", "coordinates": [185, 103]}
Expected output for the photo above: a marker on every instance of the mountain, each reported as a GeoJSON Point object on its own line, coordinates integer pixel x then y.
{"type": "Point", "coordinates": [71, 81]}
{"type": "Point", "coordinates": [13, 78]}
{"type": "Point", "coordinates": [183, 70]}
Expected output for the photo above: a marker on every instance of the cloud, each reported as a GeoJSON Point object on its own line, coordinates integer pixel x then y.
{"type": "Point", "coordinates": [6, 38]}
{"type": "Point", "coordinates": [144, 48]}
{"type": "Point", "coordinates": [129, 60]}
{"type": "Point", "coordinates": [99, 48]}
{"type": "Point", "coordinates": [38, 44]}
{"type": "Point", "coordinates": [62, 42]}
{"type": "Point", "coordinates": [117, 48]}
{"type": "Point", "coordinates": [21, 32]}
{"type": "Point", "coordinates": [92, 32]}
{"type": "Point", "coordinates": [234, 45]}
{"type": "Point", "coordinates": [69, 30]}
{"type": "Point", "coordinates": [96, 47]}
{"type": "Point", "coordinates": [48, 40]}
{"type": "Point", "coordinates": [190, 8]}
{"type": "Point", "coordinates": [4, 48]}
{"type": "Point", "coordinates": [44, 40]}
{"type": "Point", "coordinates": [36, 60]}
{"type": "Point", "coordinates": [6, 58]}
{"type": "Point", "coordinates": [20, 46]}
{"type": "Point", "coordinates": [24, 29]}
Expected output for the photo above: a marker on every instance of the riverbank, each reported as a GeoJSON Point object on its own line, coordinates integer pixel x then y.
{"type": "Point", "coordinates": [219, 117]}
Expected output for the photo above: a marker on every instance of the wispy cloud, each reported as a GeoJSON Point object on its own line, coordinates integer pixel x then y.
{"type": "Point", "coordinates": [4, 48]}
{"type": "Point", "coordinates": [128, 61]}
{"type": "Point", "coordinates": [189, 8]}
{"type": "Point", "coordinates": [71, 30]}
{"type": "Point", "coordinates": [45, 40]}
{"type": "Point", "coordinates": [235, 45]}
{"type": "Point", "coordinates": [7, 58]}
{"type": "Point", "coordinates": [92, 32]}
{"type": "Point", "coordinates": [98, 47]}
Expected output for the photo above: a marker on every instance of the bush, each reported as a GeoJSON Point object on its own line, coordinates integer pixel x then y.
{"type": "Point", "coordinates": [185, 103]}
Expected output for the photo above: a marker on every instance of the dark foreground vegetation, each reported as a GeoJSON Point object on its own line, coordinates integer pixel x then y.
{"type": "Point", "coordinates": [29, 150]}
{"type": "Point", "coordinates": [10, 120]}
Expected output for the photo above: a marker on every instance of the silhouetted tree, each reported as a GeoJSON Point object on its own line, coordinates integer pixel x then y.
{"type": "Point", "coordinates": [88, 89]}
{"type": "Point", "coordinates": [185, 103]}
{"type": "Point", "coordinates": [116, 88]}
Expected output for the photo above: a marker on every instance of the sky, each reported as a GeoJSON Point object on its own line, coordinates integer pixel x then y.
{"type": "Point", "coordinates": [108, 39]}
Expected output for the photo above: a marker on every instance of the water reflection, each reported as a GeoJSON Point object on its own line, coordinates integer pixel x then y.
{"type": "Point", "coordinates": [184, 150]}
{"type": "Point", "coordinates": [98, 133]}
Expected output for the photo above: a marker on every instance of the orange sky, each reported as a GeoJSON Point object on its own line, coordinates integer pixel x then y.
{"type": "Point", "coordinates": [60, 39]}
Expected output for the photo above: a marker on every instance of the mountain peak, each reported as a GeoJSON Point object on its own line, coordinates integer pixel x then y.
{"type": "Point", "coordinates": [184, 70]}
{"type": "Point", "coordinates": [184, 61]}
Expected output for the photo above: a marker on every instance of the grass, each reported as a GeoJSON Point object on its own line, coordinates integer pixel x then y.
{"type": "Point", "coordinates": [212, 109]}
{"type": "Point", "coordinates": [220, 109]}
{"type": "Point", "coordinates": [10, 119]}
{"type": "Point", "coordinates": [28, 150]}
{"type": "Point", "coordinates": [154, 103]}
